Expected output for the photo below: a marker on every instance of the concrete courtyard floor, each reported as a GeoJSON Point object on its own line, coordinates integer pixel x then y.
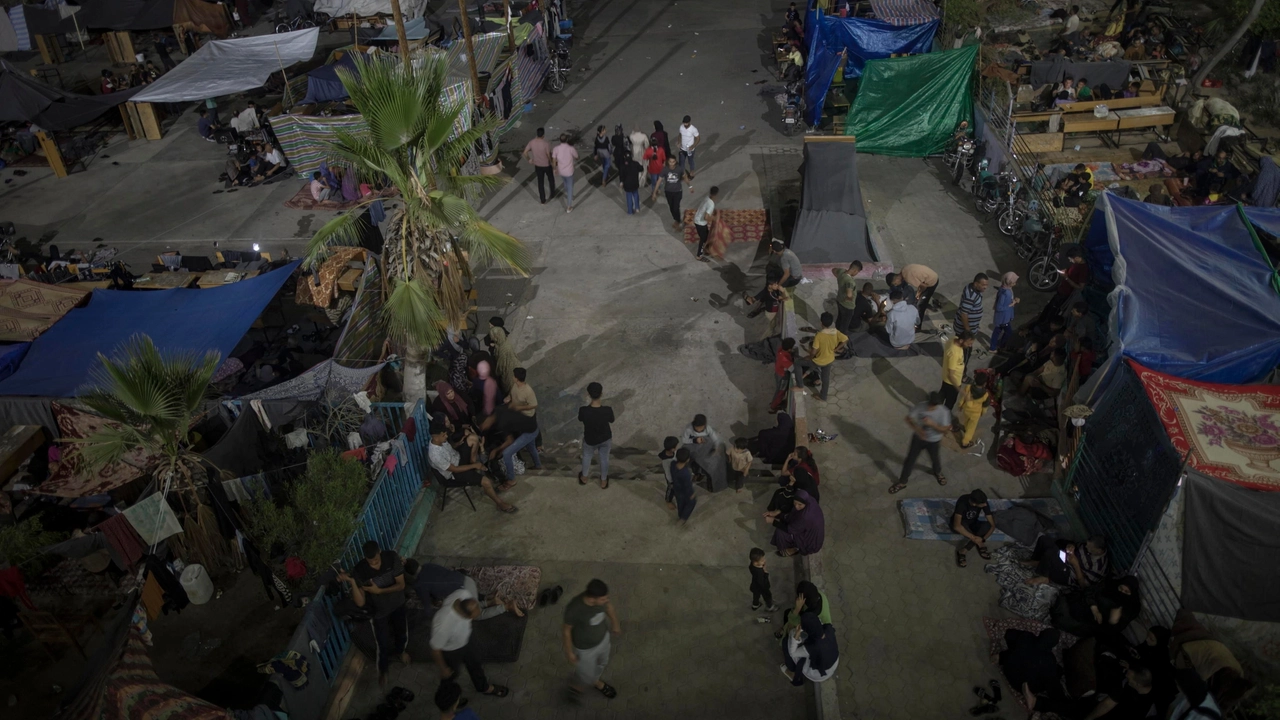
{"type": "Point", "coordinates": [619, 299]}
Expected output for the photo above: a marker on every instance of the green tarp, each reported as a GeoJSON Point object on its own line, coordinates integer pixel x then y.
{"type": "Point", "coordinates": [910, 106]}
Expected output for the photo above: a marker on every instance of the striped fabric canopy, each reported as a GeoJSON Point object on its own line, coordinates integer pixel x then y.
{"type": "Point", "coordinates": [905, 12]}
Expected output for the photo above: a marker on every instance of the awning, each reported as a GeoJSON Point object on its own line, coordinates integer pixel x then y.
{"type": "Point", "coordinates": [61, 360]}
{"type": "Point", "coordinates": [25, 99]}
{"type": "Point", "coordinates": [223, 67]}
{"type": "Point", "coordinates": [905, 12]}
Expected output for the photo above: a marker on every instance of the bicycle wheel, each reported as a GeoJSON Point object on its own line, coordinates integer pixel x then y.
{"type": "Point", "coordinates": [306, 24]}
{"type": "Point", "coordinates": [283, 28]}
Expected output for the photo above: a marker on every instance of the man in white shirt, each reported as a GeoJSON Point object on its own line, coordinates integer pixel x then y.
{"type": "Point", "coordinates": [247, 120]}
{"type": "Point", "coordinates": [446, 460]}
{"type": "Point", "coordinates": [1073, 22]}
{"type": "Point", "coordinates": [451, 641]}
{"type": "Point", "coordinates": [689, 139]}
{"type": "Point", "coordinates": [701, 219]}
{"type": "Point", "coordinates": [900, 320]}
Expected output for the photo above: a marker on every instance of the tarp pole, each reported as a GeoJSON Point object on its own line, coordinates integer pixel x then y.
{"type": "Point", "coordinates": [471, 53]}
{"type": "Point", "coordinates": [79, 36]}
{"type": "Point", "coordinates": [511, 35]}
{"type": "Point", "coordinates": [404, 40]}
{"type": "Point", "coordinates": [288, 96]}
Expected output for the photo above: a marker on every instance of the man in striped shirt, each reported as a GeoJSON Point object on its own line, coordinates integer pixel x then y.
{"type": "Point", "coordinates": [969, 314]}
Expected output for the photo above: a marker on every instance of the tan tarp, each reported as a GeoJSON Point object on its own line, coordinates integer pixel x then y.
{"type": "Point", "coordinates": [202, 16]}
{"type": "Point", "coordinates": [29, 308]}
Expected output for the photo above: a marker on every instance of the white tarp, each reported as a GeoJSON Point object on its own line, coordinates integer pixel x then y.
{"type": "Point", "coordinates": [365, 8]}
{"type": "Point", "coordinates": [8, 38]}
{"type": "Point", "coordinates": [223, 67]}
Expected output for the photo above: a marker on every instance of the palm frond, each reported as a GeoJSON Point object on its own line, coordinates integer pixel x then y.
{"type": "Point", "coordinates": [412, 314]}
{"type": "Point", "coordinates": [342, 230]}
{"type": "Point", "coordinates": [488, 244]}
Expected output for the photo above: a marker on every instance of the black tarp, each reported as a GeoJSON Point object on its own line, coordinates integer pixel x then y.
{"type": "Point", "coordinates": [25, 99]}
{"type": "Point", "coordinates": [1113, 73]}
{"type": "Point", "coordinates": [831, 227]}
{"type": "Point", "coordinates": [125, 14]}
{"type": "Point", "coordinates": [42, 21]}
{"type": "Point", "coordinates": [1230, 550]}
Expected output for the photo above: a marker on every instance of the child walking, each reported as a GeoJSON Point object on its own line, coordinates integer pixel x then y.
{"type": "Point", "coordinates": [739, 462]}
{"type": "Point", "coordinates": [761, 596]}
{"type": "Point", "coordinates": [668, 457]}
{"type": "Point", "coordinates": [682, 485]}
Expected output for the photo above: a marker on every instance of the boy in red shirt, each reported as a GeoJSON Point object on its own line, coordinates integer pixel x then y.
{"type": "Point", "coordinates": [782, 363]}
{"type": "Point", "coordinates": [657, 158]}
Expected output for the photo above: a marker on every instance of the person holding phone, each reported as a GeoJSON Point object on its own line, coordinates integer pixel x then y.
{"type": "Point", "coordinates": [968, 520]}
{"type": "Point", "coordinates": [377, 583]}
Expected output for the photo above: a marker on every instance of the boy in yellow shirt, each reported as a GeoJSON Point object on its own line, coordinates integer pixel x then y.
{"type": "Point", "coordinates": [823, 349]}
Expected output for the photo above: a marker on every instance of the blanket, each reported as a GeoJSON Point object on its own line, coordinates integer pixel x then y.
{"type": "Point", "coordinates": [304, 201]}
{"type": "Point", "coordinates": [744, 225]}
{"type": "Point", "coordinates": [930, 518]}
{"type": "Point", "coordinates": [29, 308]}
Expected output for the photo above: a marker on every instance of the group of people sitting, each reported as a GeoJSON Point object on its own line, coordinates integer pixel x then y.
{"type": "Point", "coordinates": [134, 75]}
{"type": "Point", "coordinates": [1133, 36]}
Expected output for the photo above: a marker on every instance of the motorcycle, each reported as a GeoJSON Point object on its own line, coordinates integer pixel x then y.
{"type": "Point", "coordinates": [995, 192]}
{"type": "Point", "coordinates": [1047, 267]}
{"type": "Point", "coordinates": [561, 63]}
{"type": "Point", "coordinates": [1016, 213]}
{"type": "Point", "coordinates": [792, 103]}
{"type": "Point", "coordinates": [960, 159]}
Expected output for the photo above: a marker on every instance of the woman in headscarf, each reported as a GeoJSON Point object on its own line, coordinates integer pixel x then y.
{"type": "Point", "coordinates": [799, 530]}
{"type": "Point", "coordinates": [808, 462]}
{"type": "Point", "coordinates": [503, 352]}
{"type": "Point", "coordinates": [484, 390]}
{"type": "Point", "coordinates": [330, 180]}
{"type": "Point", "coordinates": [452, 405]}
{"type": "Point", "coordinates": [811, 652]}
{"type": "Point", "coordinates": [1000, 331]}
{"type": "Point", "coordinates": [350, 185]}
{"type": "Point", "coordinates": [455, 359]}
{"type": "Point", "coordinates": [1267, 186]}
{"type": "Point", "coordinates": [808, 600]}
{"type": "Point", "coordinates": [774, 444]}
{"type": "Point", "coordinates": [708, 456]}
{"type": "Point", "coordinates": [1101, 610]}
{"type": "Point", "coordinates": [620, 151]}
{"type": "Point", "coordinates": [660, 139]}
{"type": "Point", "coordinates": [1153, 652]}
{"type": "Point", "coordinates": [795, 477]}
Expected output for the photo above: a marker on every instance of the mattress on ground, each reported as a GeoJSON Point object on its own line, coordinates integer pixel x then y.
{"type": "Point", "coordinates": [930, 518]}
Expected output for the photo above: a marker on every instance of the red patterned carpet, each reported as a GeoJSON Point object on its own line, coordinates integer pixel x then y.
{"type": "Point", "coordinates": [744, 225]}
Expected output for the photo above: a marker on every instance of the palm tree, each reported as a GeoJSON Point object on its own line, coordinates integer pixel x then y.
{"type": "Point", "coordinates": [414, 144]}
{"type": "Point", "coordinates": [151, 399]}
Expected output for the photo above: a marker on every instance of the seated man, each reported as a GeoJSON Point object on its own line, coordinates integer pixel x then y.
{"type": "Point", "coordinates": [235, 172]}
{"type": "Point", "coordinates": [1047, 381]}
{"type": "Point", "coordinates": [968, 521]}
{"type": "Point", "coordinates": [909, 293]}
{"type": "Point", "coordinates": [900, 320]}
{"type": "Point", "coordinates": [205, 126]}
{"type": "Point", "coordinates": [264, 164]}
{"type": "Point", "coordinates": [1215, 173]}
{"type": "Point", "coordinates": [447, 461]}
{"type": "Point", "coordinates": [247, 120]}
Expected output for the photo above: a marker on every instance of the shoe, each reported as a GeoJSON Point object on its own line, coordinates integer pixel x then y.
{"type": "Point", "coordinates": [756, 606]}
{"type": "Point", "coordinates": [544, 598]}
{"type": "Point", "coordinates": [556, 592]}
{"type": "Point", "coordinates": [771, 608]}
{"type": "Point", "coordinates": [983, 709]}
{"type": "Point", "coordinates": [995, 691]}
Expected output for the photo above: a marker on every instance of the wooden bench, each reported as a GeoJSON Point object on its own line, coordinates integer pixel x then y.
{"type": "Point", "coordinates": [1140, 101]}
{"type": "Point", "coordinates": [1089, 123]}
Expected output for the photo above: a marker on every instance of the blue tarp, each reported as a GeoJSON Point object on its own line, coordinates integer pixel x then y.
{"type": "Point", "coordinates": [11, 356]}
{"type": "Point", "coordinates": [60, 361]}
{"type": "Point", "coordinates": [1194, 294]}
{"type": "Point", "coordinates": [323, 84]}
{"type": "Point", "coordinates": [863, 39]}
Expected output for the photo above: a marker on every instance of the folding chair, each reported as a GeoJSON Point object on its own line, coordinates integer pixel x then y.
{"type": "Point", "coordinates": [446, 484]}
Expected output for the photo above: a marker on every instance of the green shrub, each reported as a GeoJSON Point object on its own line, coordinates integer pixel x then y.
{"type": "Point", "coordinates": [22, 542]}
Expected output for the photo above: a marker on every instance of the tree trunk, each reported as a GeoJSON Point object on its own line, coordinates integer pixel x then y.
{"type": "Point", "coordinates": [471, 51]}
{"type": "Point", "coordinates": [1226, 46]}
{"type": "Point", "coordinates": [404, 40]}
{"type": "Point", "coordinates": [415, 374]}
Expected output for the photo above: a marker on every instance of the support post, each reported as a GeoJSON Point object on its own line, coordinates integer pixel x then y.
{"type": "Point", "coordinates": [404, 40]}
{"type": "Point", "coordinates": [471, 51]}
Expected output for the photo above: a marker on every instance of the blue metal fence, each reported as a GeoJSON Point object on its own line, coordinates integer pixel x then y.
{"type": "Point", "coordinates": [383, 519]}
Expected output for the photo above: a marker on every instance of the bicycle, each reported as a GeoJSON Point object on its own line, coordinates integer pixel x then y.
{"type": "Point", "coordinates": [299, 22]}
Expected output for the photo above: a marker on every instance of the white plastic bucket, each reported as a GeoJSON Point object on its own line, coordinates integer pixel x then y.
{"type": "Point", "coordinates": [196, 581]}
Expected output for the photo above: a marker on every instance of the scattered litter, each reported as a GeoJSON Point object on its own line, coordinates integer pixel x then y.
{"type": "Point", "coordinates": [740, 127]}
{"type": "Point", "coordinates": [528, 317]}
{"type": "Point", "coordinates": [764, 619]}
{"type": "Point", "coordinates": [508, 294]}
{"type": "Point", "coordinates": [697, 33]}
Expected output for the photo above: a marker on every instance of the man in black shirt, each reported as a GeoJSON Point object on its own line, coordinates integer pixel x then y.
{"type": "Point", "coordinates": [968, 521]}
{"type": "Point", "coordinates": [597, 435]}
{"type": "Point", "coordinates": [518, 432]}
{"type": "Point", "coordinates": [671, 177]}
{"type": "Point", "coordinates": [630, 173]}
{"type": "Point", "coordinates": [377, 583]}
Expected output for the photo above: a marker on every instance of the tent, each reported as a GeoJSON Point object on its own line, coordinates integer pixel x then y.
{"type": "Point", "coordinates": [223, 67]}
{"type": "Point", "coordinates": [410, 9]}
{"type": "Point", "coordinates": [862, 40]}
{"type": "Point", "coordinates": [1195, 294]}
{"type": "Point", "coordinates": [60, 361]}
{"type": "Point", "coordinates": [832, 224]}
{"type": "Point", "coordinates": [25, 99]}
{"type": "Point", "coordinates": [323, 83]}
{"type": "Point", "coordinates": [910, 106]}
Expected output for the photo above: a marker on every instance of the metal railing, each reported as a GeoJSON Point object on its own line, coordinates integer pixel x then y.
{"type": "Point", "coordinates": [383, 518]}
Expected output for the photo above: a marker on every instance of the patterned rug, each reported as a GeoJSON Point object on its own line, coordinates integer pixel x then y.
{"type": "Point", "coordinates": [744, 225]}
{"type": "Point", "coordinates": [517, 582]}
{"type": "Point", "coordinates": [930, 518]}
{"type": "Point", "coordinates": [1232, 431]}
{"type": "Point", "coordinates": [303, 200]}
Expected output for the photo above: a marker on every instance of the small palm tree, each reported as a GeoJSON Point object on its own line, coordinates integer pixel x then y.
{"type": "Point", "coordinates": [152, 400]}
{"type": "Point", "coordinates": [413, 143]}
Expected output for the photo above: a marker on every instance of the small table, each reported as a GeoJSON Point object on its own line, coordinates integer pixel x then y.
{"type": "Point", "coordinates": [217, 278]}
{"type": "Point", "coordinates": [1147, 117]}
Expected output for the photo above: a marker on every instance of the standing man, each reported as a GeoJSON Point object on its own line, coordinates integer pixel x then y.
{"type": "Point", "coordinates": [682, 486]}
{"type": "Point", "coordinates": [969, 314]}
{"type": "Point", "coordinates": [524, 400]}
{"type": "Point", "coordinates": [846, 296]}
{"type": "Point", "coordinates": [377, 583]}
{"type": "Point", "coordinates": [630, 174]}
{"type": "Point", "coordinates": [586, 639]}
{"type": "Point", "coordinates": [1074, 277]}
{"type": "Point", "coordinates": [967, 521]}
{"type": "Point", "coordinates": [451, 641]}
{"type": "Point", "coordinates": [929, 421]}
{"type": "Point", "coordinates": [689, 139]}
{"type": "Point", "coordinates": [792, 273]}
{"type": "Point", "coordinates": [538, 152]}
{"type": "Point", "coordinates": [823, 349]}
{"type": "Point", "coordinates": [565, 156]}
{"type": "Point", "coordinates": [701, 221]}
{"type": "Point", "coordinates": [671, 177]}
{"type": "Point", "coordinates": [953, 367]}
{"type": "Point", "coordinates": [925, 281]}
{"type": "Point", "coordinates": [597, 434]}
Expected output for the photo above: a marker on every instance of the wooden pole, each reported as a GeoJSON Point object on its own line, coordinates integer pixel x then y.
{"type": "Point", "coordinates": [471, 51]}
{"type": "Point", "coordinates": [511, 35]}
{"type": "Point", "coordinates": [404, 40]}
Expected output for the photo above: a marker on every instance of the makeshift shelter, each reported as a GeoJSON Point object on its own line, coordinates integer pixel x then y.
{"type": "Point", "coordinates": [832, 224]}
{"type": "Point", "coordinates": [126, 14]}
{"type": "Point", "coordinates": [8, 37]}
{"type": "Point", "coordinates": [28, 21]}
{"type": "Point", "coordinates": [11, 357]}
{"type": "Point", "coordinates": [25, 99]}
{"type": "Point", "coordinates": [1157, 256]}
{"type": "Point", "coordinates": [29, 308]}
{"type": "Point", "coordinates": [223, 67]}
{"type": "Point", "coordinates": [323, 83]}
{"type": "Point", "coordinates": [853, 41]}
{"type": "Point", "coordinates": [366, 8]}
{"type": "Point", "coordinates": [60, 361]}
{"type": "Point", "coordinates": [910, 107]}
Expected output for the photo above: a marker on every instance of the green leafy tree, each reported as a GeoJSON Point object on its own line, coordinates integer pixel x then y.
{"type": "Point", "coordinates": [152, 400]}
{"type": "Point", "coordinates": [318, 513]}
{"type": "Point", "coordinates": [436, 236]}
{"type": "Point", "coordinates": [1253, 10]}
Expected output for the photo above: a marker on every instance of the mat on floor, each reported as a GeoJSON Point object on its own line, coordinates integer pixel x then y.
{"type": "Point", "coordinates": [930, 518]}
{"type": "Point", "coordinates": [744, 225]}
{"type": "Point", "coordinates": [302, 200]}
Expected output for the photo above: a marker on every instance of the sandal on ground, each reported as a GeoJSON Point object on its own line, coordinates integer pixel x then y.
{"type": "Point", "coordinates": [581, 480]}
{"type": "Point", "coordinates": [608, 691]}
{"type": "Point", "coordinates": [897, 488]}
{"type": "Point", "coordinates": [498, 691]}
{"type": "Point", "coordinates": [961, 560]}
{"type": "Point", "coordinates": [984, 553]}
{"type": "Point", "coordinates": [942, 479]}
{"type": "Point", "coordinates": [604, 484]}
